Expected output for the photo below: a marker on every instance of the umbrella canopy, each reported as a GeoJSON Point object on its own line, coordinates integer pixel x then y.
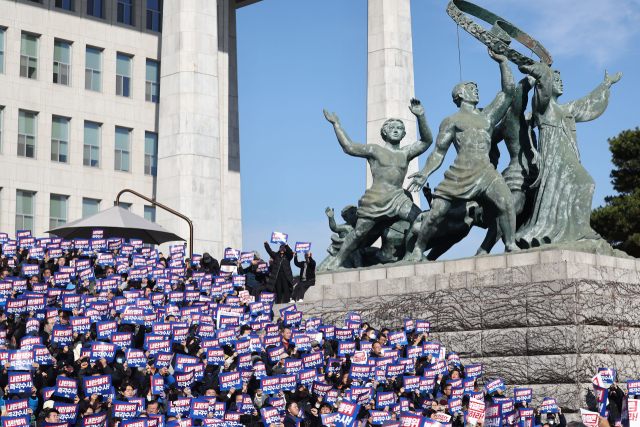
{"type": "Point", "coordinates": [116, 222]}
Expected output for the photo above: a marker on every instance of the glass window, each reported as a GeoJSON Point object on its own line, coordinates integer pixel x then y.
{"type": "Point", "coordinates": [125, 11]}
{"type": "Point", "coordinates": [91, 149]}
{"type": "Point", "coordinates": [29, 56]}
{"type": "Point", "coordinates": [62, 63]}
{"type": "Point", "coordinates": [57, 211]}
{"type": "Point", "coordinates": [123, 75]}
{"type": "Point", "coordinates": [152, 89]}
{"type": "Point", "coordinates": [150, 153]}
{"type": "Point", "coordinates": [125, 206]}
{"type": "Point", "coordinates": [90, 207]}
{"type": "Point", "coordinates": [123, 149]}
{"type": "Point", "coordinates": [65, 4]}
{"type": "Point", "coordinates": [93, 70]}
{"type": "Point", "coordinates": [60, 139]}
{"type": "Point", "coordinates": [95, 8]}
{"type": "Point", "coordinates": [25, 210]}
{"type": "Point", "coordinates": [2, 48]}
{"type": "Point", "coordinates": [27, 124]}
{"type": "Point", "coordinates": [154, 15]}
{"type": "Point", "coordinates": [1, 122]}
{"type": "Point", "coordinates": [150, 213]}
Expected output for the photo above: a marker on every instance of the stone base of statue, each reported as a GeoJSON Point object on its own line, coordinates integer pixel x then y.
{"type": "Point", "coordinates": [545, 319]}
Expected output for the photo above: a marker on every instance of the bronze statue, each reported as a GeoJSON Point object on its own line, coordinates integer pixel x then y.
{"type": "Point", "coordinates": [562, 208]}
{"type": "Point", "coordinates": [472, 176]}
{"type": "Point", "coordinates": [386, 201]}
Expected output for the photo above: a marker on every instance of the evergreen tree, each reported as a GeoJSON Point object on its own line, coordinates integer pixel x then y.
{"type": "Point", "coordinates": [619, 220]}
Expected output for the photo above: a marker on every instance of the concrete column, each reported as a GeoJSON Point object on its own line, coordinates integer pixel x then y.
{"type": "Point", "coordinates": [229, 126]}
{"type": "Point", "coordinates": [390, 73]}
{"type": "Point", "coordinates": [189, 154]}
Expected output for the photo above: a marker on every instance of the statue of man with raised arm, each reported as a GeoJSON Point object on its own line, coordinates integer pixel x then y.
{"type": "Point", "coordinates": [472, 176]}
{"type": "Point", "coordinates": [385, 202]}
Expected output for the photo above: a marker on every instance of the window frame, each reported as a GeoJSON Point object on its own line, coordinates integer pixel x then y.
{"type": "Point", "coordinates": [3, 50]}
{"type": "Point", "coordinates": [98, 201]}
{"type": "Point", "coordinates": [122, 77]}
{"type": "Point", "coordinates": [93, 3]}
{"type": "Point", "coordinates": [150, 156]}
{"type": "Point", "coordinates": [149, 83]}
{"type": "Point", "coordinates": [151, 13]}
{"type": "Point", "coordinates": [93, 70]}
{"type": "Point", "coordinates": [118, 151]}
{"type": "Point", "coordinates": [24, 215]}
{"type": "Point", "coordinates": [71, 2]}
{"type": "Point", "coordinates": [124, 6]}
{"type": "Point", "coordinates": [66, 209]}
{"type": "Point", "coordinates": [58, 140]}
{"type": "Point", "coordinates": [59, 63]}
{"type": "Point", "coordinates": [85, 145]}
{"type": "Point", "coordinates": [29, 56]}
{"type": "Point", "coordinates": [35, 136]}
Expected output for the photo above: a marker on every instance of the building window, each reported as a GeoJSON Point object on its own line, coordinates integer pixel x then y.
{"type": "Point", "coordinates": [154, 15]}
{"type": "Point", "coordinates": [65, 4]}
{"type": "Point", "coordinates": [95, 8]}
{"type": "Point", "coordinates": [62, 63]}
{"type": "Point", "coordinates": [57, 211]}
{"type": "Point", "coordinates": [1, 121]}
{"type": "Point", "coordinates": [152, 88]}
{"type": "Point", "coordinates": [90, 207]}
{"type": "Point", "coordinates": [125, 12]}
{"type": "Point", "coordinates": [150, 213]}
{"type": "Point", "coordinates": [91, 150]}
{"type": "Point", "coordinates": [123, 75]}
{"type": "Point", "coordinates": [29, 56]}
{"type": "Point", "coordinates": [125, 206]}
{"type": "Point", "coordinates": [25, 210]}
{"type": "Point", "coordinates": [27, 124]}
{"type": "Point", "coordinates": [93, 70]}
{"type": "Point", "coordinates": [2, 48]}
{"type": "Point", "coordinates": [150, 153]}
{"type": "Point", "coordinates": [60, 140]}
{"type": "Point", "coordinates": [123, 149]}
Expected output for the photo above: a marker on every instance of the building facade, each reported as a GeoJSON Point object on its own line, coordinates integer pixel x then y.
{"type": "Point", "coordinates": [85, 89]}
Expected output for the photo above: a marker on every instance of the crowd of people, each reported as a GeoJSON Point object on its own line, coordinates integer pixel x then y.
{"type": "Point", "coordinates": [91, 337]}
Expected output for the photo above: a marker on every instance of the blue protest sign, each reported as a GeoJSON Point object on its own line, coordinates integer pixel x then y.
{"type": "Point", "coordinates": [100, 385]}
{"type": "Point", "coordinates": [66, 387]}
{"type": "Point", "coordinates": [230, 380]}
{"type": "Point", "coordinates": [303, 247]}
{"type": "Point", "coordinates": [20, 382]}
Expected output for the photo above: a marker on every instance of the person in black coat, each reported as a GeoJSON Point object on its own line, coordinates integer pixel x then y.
{"type": "Point", "coordinates": [281, 277]}
{"type": "Point", "coordinates": [307, 276]}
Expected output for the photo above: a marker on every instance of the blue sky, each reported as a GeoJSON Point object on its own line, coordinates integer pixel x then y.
{"type": "Point", "coordinates": [297, 57]}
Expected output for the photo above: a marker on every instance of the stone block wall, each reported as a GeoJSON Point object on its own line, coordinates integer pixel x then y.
{"type": "Point", "coordinates": [546, 320]}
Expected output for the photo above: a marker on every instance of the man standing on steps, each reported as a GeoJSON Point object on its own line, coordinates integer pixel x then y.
{"type": "Point", "coordinates": [472, 176]}
{"type": "Point", "coordinates": [307, 276]}
{"type": "Point", "coordinates": [281, 277]}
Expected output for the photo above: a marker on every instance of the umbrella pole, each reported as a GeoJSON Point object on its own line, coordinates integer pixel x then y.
{"type": "Point", "coordinates": [153, 202]}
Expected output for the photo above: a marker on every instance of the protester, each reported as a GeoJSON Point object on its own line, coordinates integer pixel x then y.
{"type": "Point", "coordinates": [281, 277]}
{"type": "Point", "coordinates": [180, 347]}
{"type": "Point", "coordinates": [307, 276]}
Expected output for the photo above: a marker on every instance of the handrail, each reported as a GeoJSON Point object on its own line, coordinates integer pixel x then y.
{"type": "Point", "coordinates": [126, 190]}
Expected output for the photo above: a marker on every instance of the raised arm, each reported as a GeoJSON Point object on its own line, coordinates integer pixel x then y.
{"type": "Point", "coordinates": [269, 251]}
{"type": "Point", "coordinates": [435, 159]}
{"type": "Point", "coordinates": [544, 85]}
{"type": "Point", "coordinates": [336, 228]}
{"type": "Point", "coordinates": [593, 105]}
{"type": "Point", "coordinates": [351, 148]}
{"type": "Point", "coordinates": [426, 137]}
{"type": "Point", "coordinates": [496, 110]}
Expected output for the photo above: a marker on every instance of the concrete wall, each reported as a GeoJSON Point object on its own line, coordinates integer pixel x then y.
{"type": "Point", "coordinates": [41, 175]}
{"type": "Point", "coordinates": [546, 320]}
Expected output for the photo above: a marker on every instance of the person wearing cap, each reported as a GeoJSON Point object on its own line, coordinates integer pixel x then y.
{"type": "Point", "coordinates": [307, 276]}
{"type": "Point", "coordinates": [209, 264]}
{"type": "Point", "coordinates": [281, 277]}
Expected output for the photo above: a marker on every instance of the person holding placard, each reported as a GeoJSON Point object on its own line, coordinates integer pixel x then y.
{"type": "Point", "coordinates": [307, 276]}
{"type": "Point", "coordinates": [281, 277]}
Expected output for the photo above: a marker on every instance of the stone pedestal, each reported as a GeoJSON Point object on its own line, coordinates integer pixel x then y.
{"type": "Point", "coordinates": [546, 320]}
